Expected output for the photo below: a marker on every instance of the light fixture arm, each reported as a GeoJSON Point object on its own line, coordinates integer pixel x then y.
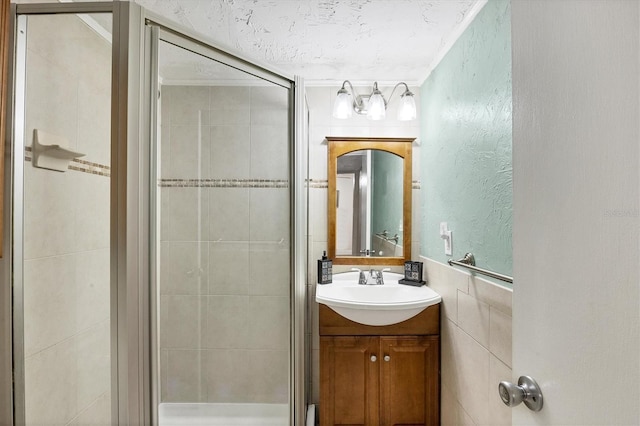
{"type": "Point", "coordinates": [358, 105]}
{"type": "Point", "coordinates": [396, 86]}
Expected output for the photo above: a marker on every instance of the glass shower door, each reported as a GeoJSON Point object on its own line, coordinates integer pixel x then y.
{"type": "Point", "coordinates": [223, 292]}
{"type": "Point", "coordinates": [62, 222]}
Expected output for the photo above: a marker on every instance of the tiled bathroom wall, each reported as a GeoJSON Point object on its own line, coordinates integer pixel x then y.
{"type": "Point", "coordinates": [475, 345]}
{"type": "Point", "coordinates": [224, 276]}
{"type": "Point", "coordinates": [66, 227]}
{"type": "Point", "coordinates": [321, 125]}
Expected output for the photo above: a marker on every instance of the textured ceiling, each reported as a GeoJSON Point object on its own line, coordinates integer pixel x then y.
{"type": "Point", "coordinates": [359, 40]}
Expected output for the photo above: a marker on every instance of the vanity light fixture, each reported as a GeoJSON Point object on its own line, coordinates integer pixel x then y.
{"type": "Point", "coordinates": [373, 105]}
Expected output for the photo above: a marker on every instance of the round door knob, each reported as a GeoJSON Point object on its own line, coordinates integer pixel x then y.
{"type": "Point", "coordinates": [387, 358]}
{"type": "Point", "coordinates": [373, 358]}
{"type": "Point", "coordinates": [527, 391]}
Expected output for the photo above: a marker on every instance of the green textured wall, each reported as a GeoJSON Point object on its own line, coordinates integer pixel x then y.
{"type": "Point", "coordinates": [466, 169]}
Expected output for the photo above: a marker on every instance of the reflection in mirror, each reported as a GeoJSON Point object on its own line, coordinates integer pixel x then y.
{"type": "Point", "coordinates": [369, 214]}
{"type": "Point", "coordinates": [369, 204]}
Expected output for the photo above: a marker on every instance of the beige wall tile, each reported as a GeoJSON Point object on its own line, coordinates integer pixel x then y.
{"type": "Point", "coordinates": [228, 213]}
{"type": "Point", "coordinates": [50, 210]}
{"type": "Point", "coordinates": [269, 116]}
{"type": "Point", "coordinates": [94, 118]}
{"type": "Point", "coordinates": [185, 381]}
{"type": "Point", "coordinates": [93, 364]}
{"type": "Point", "coordinates": [473, 318]}
{"type": "Point", "coordinates": [229, 269]}
{"type": "Point", "coordinates": [318, 214]}
{"type": "Point", "coordinates": [188, 105]}
{"type": "Point", "coordinates": [495, 295]}
{"type": "Point", "coordinates": [91, 211]}
{"type": "Point", "coordinates": [190, 147]}
{"type": "Point", "coordinates": [230, 152]}
{"type": "Point", "coordinates": [446, 283]}
{"type": "Point", "coordinates": [224, 375]}
{"type": "Point", "coordinates": [183, 323]}
{"type": "Point", "coordinates": [187, 222]}
{"type": "Point", "coordinates": [268, 214]}
{"type": "Point", "coordinates": [320, 101]}
{"type": "Point", "coordinates": [318, 152]}
{"type": "Point", "coordinates": [269, 272]}
{"type": "Point", "coordinates": [96, 414]}
{"type": "Point", "coordinates": [452, 413]}
{"type": "Point", "coordinates": [51, 385]}
{"type": "Point", "coordinates": [184, 268]}
{"type": "Point", "coordinates": [230, 116]}
{"type": "Point", "coordinates": [272, 97]}
{"type": "Point", "coordinates": [499, 414]}
{"type": "Point", "coordinates": [471, 375]}
{"type": "Point", "coordinates": [267, 375]}
{"type": "Point", "coordinates": [269, 155]}
{"type": "Point", "coordinates": [500, 341]}
{"type": "Point", "coordinates": [52, 107]}
{"type": "Point", "coordinates": [230, 97]}
{"type": "Point", "coordinates": [49, 302]}
{"type": "Point", "coordinates": [93, 294]}
{"type": "Point", "coordinates": [223, 311]}
{"type": "Point", "coordinates": [268, 322]}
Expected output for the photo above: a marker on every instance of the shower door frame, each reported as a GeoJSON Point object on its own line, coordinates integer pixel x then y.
{"type": "Point", "coordinates": [126, 285]}
{"type": "Point", "coordinates": [158, 28]}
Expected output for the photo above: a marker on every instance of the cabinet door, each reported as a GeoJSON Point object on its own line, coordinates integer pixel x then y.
{"type": "Point", "coordinates": [349, 381]}
{"type": "Point", "coordinates": [410, 390]}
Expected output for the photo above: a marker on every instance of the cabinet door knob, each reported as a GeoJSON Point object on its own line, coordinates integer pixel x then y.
{"type": "Point", "coordinates": [387, 358]}
{"type": "Point", "coordinates": [373, 358]}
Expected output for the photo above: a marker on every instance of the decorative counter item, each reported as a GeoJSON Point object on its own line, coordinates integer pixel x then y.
{"type": "Point", "coordinates": [412, 274]}
{"type": "Point", "coordinates": [51, 151]}
{"type": "Point", "coordinates": [325, 269]}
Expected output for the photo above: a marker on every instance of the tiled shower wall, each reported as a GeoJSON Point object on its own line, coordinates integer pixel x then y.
{"type": "Point", "coordinates": [66, 227]}
{"type": "Point", "coordinates": [224, 277]}
{"type": "Point", "coordinates": [321, 125]}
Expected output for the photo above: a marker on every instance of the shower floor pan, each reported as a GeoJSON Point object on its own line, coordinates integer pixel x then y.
{"type": "Point", "coordinates": [209, 414]}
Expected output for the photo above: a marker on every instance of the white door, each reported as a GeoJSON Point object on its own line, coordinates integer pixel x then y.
{"type": "Point", "coordinates": [576, 209]}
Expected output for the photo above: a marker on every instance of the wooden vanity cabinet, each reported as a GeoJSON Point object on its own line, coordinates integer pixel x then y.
{"type": "Point", "coordinates": [380, 375]}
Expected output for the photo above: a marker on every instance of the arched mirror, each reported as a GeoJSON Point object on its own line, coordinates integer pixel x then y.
{"type": "Point", "coordinates": [369, 200]}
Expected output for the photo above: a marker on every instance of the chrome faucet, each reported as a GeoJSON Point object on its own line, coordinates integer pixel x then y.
{"type": "Point", "coordinates": [375, 277]}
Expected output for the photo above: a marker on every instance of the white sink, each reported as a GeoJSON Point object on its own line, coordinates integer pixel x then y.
{"type": "Point", "coordinates": [386, 304]}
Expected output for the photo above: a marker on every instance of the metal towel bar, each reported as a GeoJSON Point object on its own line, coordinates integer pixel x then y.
{"type": "Point", "coordinates": [469, 262]}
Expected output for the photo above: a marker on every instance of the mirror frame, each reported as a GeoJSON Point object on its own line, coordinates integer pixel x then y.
{"type": "Point", "coordinates": [338, 146]}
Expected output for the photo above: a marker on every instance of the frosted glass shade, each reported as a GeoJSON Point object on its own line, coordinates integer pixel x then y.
{"type": "Point", "coordinates": [342, 107]}
{"type": "Point", "coordinates": [377, 108]}
{"type": "Point", "coordinates": [407, 107]}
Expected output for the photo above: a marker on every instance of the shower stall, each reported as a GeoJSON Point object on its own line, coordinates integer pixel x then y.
{"type": "Point", "coordinates": [156, 235]}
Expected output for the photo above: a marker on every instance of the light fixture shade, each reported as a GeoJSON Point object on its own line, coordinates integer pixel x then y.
{"type": "Point", "coordinates": [377, 108]}
{"type": "Point", "coordinates": [342, 107]}
{"type": "Point", "coordinates": [407, 107]}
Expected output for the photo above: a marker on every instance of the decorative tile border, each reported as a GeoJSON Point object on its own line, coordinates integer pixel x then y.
{"type": "Point", "coordinates": [77, 165]}
{"type": "Point", "coordinates": [317, 183]}
{"type": "Point", "coordinates": [223, 183]}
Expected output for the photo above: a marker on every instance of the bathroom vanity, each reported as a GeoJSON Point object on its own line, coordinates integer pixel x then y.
{"type": "Point", "coordinates": [380, 375]}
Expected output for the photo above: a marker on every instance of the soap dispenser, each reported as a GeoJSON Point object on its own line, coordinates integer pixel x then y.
{"type": "Point", "coordinates": [325, 269]}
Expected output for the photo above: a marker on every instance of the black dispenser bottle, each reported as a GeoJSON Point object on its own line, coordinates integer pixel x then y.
{"type": "Point", "coordinates": [325, 269]}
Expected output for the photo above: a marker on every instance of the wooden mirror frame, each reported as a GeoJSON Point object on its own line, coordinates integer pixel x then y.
{"type": "Point", "coordinates": [338, 146]}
